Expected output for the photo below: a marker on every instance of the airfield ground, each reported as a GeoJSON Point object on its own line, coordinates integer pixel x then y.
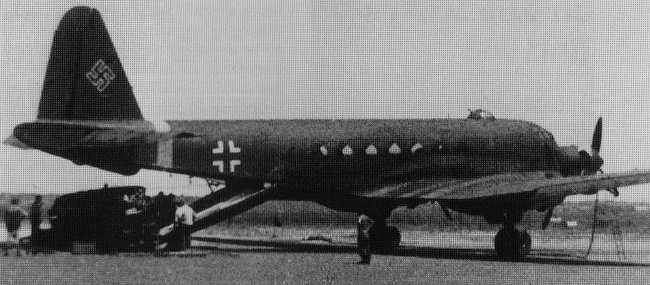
{"type": "Point", "coordinates": [442, 257]}
{"type": "Point", "coordinates": [272, 267]}
{"type": "Point", "coordinates": [435, 251]}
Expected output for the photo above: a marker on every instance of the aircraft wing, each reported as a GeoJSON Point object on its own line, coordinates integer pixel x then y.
{"type": "Point", "coordinates": [539, 183]}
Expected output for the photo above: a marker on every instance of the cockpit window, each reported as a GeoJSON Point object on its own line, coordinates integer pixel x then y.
{"type": "Point", "coordinates": [480, 114]}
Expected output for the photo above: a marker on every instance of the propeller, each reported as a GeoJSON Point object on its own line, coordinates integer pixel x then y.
{"type": "Point", "coordinates": [589, 164]}
{"type": "Point", "coordinates": [593, 163]}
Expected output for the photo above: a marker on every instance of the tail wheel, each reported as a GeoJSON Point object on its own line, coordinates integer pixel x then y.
{"type": "Point", "coordinates": [511, 243]}
{"type": "Point", "coordinates": [384, 239]}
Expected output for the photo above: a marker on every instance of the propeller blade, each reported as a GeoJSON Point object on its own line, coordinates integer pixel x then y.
{"type": "Point", "coordinates": [446, 212]}
{"type": "Point", "coordinates": [547, 218]}
{"type": "Point", "coordinates": [598, 136]}
{"type": "Point", "coordinates": [591, 163]}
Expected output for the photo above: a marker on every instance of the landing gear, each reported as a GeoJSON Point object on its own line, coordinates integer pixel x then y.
{"type": "Point", "coordinates": [511, 243]}
{"type": "Point", "coordinates": [384, 238]}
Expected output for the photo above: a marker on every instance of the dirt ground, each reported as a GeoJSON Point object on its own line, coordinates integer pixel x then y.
{"type": "Point", "coordinates": [264, 267]}
{"type": "Point", "coordinates": [228, 264]}
{"type": "Point", "coordinates": [632, 247]}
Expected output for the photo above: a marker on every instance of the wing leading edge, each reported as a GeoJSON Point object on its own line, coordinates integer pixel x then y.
{"type": "Point", "coordinates": [542, 185]}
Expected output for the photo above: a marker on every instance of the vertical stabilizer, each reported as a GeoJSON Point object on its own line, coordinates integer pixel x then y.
{"type": "Point", "coordinates": [85, 79]}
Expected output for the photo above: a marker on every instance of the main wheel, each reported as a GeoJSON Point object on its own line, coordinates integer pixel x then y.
{"type": "Point", "coordinates": [511, 243]}
{"type": "Point", "coordinates": [384, 239]}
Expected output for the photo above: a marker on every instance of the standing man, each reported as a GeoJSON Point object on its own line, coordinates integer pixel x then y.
{"type": "Point", "coordinates": [363, 238]}
{"type": "Point", "coordinates": [14, 215]}
{"type": "Point", "coordinates": [35, 219]}
{"type": "Point", "coordinates": [184, 219]}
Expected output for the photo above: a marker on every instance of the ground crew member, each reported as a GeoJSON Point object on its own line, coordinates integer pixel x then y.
{"type": "Point", "coordinates": [36, 240]}
{"type": "Point", "coordinates": [363, 238]}
{"type": "Point", "coordinates": [14, 215]}
{"type": "Point", "coordinates": [183, 221]}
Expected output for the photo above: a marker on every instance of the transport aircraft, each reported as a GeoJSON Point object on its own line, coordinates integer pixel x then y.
{"type": "Point", "coordinates": [479, 165]}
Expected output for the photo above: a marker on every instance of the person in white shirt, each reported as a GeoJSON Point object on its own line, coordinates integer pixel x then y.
{"type": "Point", "coordinates": [183, 221]}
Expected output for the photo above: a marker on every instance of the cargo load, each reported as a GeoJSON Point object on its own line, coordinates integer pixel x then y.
{"type": "Point", "coordinates": [109, 219]}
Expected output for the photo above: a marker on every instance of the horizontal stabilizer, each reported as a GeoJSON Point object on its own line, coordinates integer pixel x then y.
{"type": "Point", "coordinates": [113, 147]}
{"type": "Point", "coordinates": [13, 141]}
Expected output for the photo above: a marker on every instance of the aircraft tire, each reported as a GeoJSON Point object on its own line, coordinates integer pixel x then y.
{"type": "Point", "coordinates": [511, 243]}
{"type": "Point", "coordinates": [384, 239]}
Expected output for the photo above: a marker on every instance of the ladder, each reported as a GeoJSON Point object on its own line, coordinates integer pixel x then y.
{"type": "Point", "coordinates": [617, 234]}
{"type": "Point", "coordinates": [221, 205]}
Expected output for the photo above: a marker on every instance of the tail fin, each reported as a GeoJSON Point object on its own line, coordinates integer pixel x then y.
{"type": "Point", "coordinates": [85, 79]}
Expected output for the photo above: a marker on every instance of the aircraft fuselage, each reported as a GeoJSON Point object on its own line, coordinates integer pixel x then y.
{"type": "Point", "coordinates": [350, 155]}
{"type": "Point", "coordinates": [328, 161]}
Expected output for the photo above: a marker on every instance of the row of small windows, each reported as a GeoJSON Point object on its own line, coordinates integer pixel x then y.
{"type": "Point", "coordinates": [372, 150]}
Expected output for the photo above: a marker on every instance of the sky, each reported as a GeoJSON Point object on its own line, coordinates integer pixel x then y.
{"type": "Point", "coordinates": [559, 64]}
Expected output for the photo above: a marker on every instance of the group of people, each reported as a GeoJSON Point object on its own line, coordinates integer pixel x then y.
{"type": "Point", "coordinates": [14, 216]}
{"type": "Point", "coordinates": [184, 216]}
{"type": "Point", "coordinates": [137, 201]}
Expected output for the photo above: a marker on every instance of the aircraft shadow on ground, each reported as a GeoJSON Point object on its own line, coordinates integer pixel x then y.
{"type": "Point", "coordinates": [265, 246]}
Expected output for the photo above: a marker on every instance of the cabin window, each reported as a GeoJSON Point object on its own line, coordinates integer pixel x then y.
{"type": "Point", "coordinates": [347, 150]}
{"type": "Point", "coordinates": [394, 149]}
{"type": "Point", "coordinates": [371, 150]}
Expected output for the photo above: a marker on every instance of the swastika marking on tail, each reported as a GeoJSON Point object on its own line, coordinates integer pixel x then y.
{"type": "Point", "coordinates": [100, 75]}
